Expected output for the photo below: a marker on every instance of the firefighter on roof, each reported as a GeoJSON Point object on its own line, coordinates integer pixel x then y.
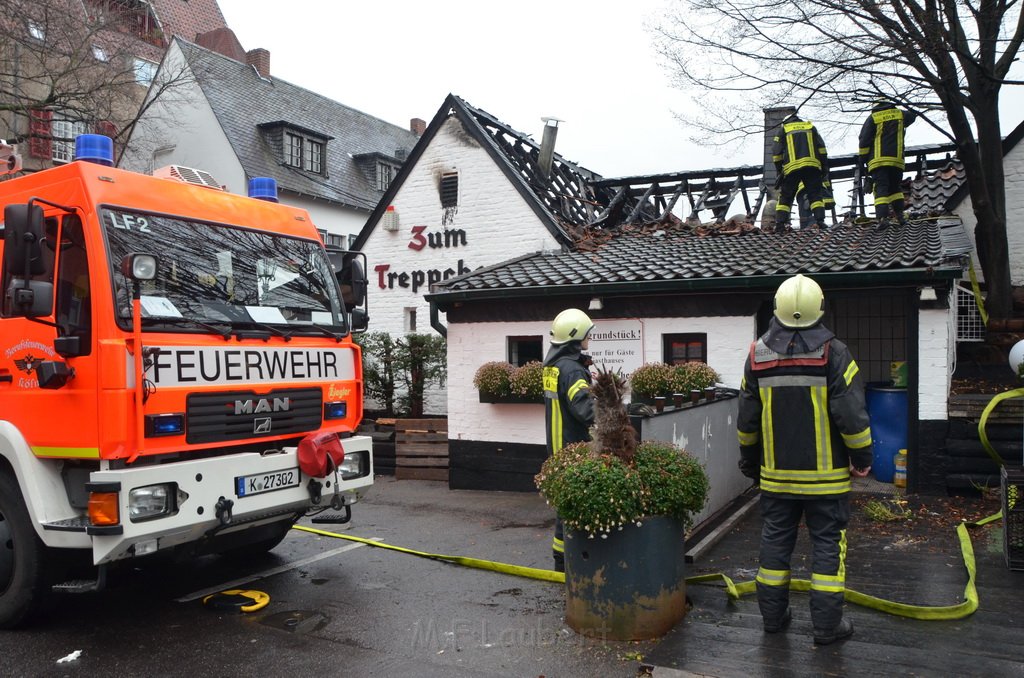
{"type": "Point", "coordinates": [881, 150]}
{"type": "Point", "coordinates": [800, 156]}
{"type": "Point", "coordinates": [803, 430]}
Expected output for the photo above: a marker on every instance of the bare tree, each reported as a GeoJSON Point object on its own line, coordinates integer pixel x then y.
{"type": "Point", "coordinates": [941, 58]}
{"type": "Point", "coordinates": [87, 64]}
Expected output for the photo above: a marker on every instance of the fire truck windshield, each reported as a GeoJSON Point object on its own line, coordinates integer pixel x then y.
{"type": "Point", "coordinates": [222, 275]}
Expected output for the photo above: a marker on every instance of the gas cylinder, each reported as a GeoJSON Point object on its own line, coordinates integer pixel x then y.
{"type": "Point", "coordinates": [899, 478]}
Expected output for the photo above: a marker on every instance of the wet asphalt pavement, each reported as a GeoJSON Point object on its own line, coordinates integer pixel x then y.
{"type": "Point", "coordinates": [339, 608]}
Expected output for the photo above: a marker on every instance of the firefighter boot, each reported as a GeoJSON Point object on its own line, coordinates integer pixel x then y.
{"type": "Point", "coordinates": [842, 631]}
{"type": "Point", "coordinates": [781, 624]}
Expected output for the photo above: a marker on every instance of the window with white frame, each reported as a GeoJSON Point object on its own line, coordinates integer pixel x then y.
{"type": "Point", "coordinates": [293, 150]}
{"type": "Point", "coordinates": [410, 319]}
{"type": "Point", "coordinates": [313, 160]}
{"type": "Point", "coordinates": [144, 70]}
{"type": "Point", "coordinates": [385, 173]}
{"type": "Point", "coordinates": [63, 132]}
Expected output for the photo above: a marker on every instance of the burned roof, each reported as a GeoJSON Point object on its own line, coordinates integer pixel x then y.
{"type": "Point", "coordinates": [644, 259]}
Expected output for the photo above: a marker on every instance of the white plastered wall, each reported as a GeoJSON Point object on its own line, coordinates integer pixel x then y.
{"type": "Point", "coordinates": [472, 344]}
{"type": "Point", "coordinates": [180, 128]}
{"type": "Point", "coordinates": [1013, 168]}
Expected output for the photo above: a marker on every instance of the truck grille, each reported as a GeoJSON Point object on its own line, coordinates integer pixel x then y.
{"type": "Point", "coordinates": [211, 417]}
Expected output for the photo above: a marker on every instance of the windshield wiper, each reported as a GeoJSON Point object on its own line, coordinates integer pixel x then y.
{"type": "Point", "coordinates": [175, 320]}
{"type": "Point", "coordinates": [322, 330]}
{"type": "Point", "coordinates": [262, 327]}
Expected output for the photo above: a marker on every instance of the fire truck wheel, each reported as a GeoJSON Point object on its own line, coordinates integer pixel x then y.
{"type": "Point", "coordinates": [23, 581]}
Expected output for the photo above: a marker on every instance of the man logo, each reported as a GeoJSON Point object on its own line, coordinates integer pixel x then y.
{"type": "Point", "coordinates": [261, 425]}
{"type": "Point", "coordinates": [262, 405]}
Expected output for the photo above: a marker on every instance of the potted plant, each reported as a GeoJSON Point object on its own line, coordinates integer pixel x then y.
{"type": "Point", "coordinates": [500, 382]}
{"type": "Point", "coordinates": [692, 376]}
{"type": "Point", "coordinates": [626, 507]}
{"type": "Point", "coordinates": [527, 381]}
{"type": "Point", "coordinates": [651, 380]}
{"type": "Point", "coordinates": [493, 380]}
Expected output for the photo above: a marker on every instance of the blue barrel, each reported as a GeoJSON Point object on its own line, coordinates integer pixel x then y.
{"type": "Point", "coordinates": [887, 408]}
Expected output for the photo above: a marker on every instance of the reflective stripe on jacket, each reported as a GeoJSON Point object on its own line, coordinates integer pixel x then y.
{"type": "Point", "coordinates": [798, 146]}
{"type": "Point", "coordinates": [802, 418]}
{"type": "Point", "coordinates": [568, 406]}
{"type": "Point", "coordinates": [881, 137]}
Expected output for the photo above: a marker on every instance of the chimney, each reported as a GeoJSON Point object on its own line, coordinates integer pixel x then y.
{"type": "Point", "coordinates": [259, 59]}
{"type": "Point", "coordinates": [417, 126]}
{"type": "Point", "coordinates": [547, 145]}
{"type": "Point", "coordinates": [772, 121]}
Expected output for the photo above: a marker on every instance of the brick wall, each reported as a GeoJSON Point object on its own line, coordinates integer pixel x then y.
{"type": "Point", "coordinates": [491, 215]}
{"type": "Point", "coordinates": [936, 346]}
{"type": "Point", "coordinates": [188, 18]}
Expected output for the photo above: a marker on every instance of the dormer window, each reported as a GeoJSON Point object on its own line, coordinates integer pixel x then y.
{"type": "Point", "coordinates": [303, 153]}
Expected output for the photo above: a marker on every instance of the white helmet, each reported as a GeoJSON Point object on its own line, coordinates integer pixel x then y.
{"type": "Point", "coordinates": [571, 324]}
{"type": "Point", "coordinates": [799, 302]}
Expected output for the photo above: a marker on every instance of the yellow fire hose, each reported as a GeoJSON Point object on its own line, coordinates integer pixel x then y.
{"type": "Point", "coordinates": [733, 590]}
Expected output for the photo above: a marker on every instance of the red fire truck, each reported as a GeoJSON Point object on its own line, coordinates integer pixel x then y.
{"type": "Point", "coordinates": [177, 372]}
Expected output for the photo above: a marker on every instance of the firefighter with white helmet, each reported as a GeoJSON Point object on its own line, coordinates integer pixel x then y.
{"type": "Point", "coordinates": [803, 431]}
{"type": "Point", "coordinates": [568, 404]}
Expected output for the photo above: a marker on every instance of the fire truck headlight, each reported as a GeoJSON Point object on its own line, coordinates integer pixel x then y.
{"type": "Point", "coordinates": [353, 465]}
{"type": "Point", "coordinates": [151, 501]}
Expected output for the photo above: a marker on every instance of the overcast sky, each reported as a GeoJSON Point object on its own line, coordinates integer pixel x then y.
{"type": "Point", "coordinates": [587, 62]}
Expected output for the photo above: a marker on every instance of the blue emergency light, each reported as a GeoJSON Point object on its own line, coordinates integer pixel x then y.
{"type": "Point", "coordinates": [95, 148]}
{"type": "Point", "coordinates": [336, 410]}
{"type": "Point", "coordinates": [263, 188]}
{"type": "Point", "coordinates": [164, 425]}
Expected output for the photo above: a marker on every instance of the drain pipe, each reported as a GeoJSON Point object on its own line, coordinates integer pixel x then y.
{"type": "Point", "coordinates": [435, 320]}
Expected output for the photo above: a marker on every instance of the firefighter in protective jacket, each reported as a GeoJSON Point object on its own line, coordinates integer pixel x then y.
{"type": "Point", "coordinates": [803, 429]}
{"type": "Point", "coordinates": [568, 403]}
{"type": "Point", "coordinates": [881, 150]}
{"type": "Point", "coordinates": [800, 157]}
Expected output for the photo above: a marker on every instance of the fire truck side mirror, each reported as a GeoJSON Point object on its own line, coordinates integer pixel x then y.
{"type": "Point", "coordinates": [29, 298]}
{"type": "Point", "coordinates": [353, 283]}
{"type": "Point", "coordinates": [23, 233]}
{"type": "Point", "coordinates": [53, 374]}
{"type": "Point", "coordinates": [360, 320]}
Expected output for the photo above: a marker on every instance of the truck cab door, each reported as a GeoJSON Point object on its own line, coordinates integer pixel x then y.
{"type": "Point", "coordinates": [51, 395]}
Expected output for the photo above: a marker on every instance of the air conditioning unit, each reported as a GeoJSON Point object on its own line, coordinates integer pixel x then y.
{"type": "Point", "coordinates": [188, 175]}
{"type": "Point", "coordinates": [390, 220]}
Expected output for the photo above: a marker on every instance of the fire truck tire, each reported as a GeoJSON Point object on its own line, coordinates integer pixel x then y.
{"type": "Point", "coordinates": [23, 574]}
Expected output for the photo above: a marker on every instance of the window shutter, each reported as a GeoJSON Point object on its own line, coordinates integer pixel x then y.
{"type": "Point", "coordinates": [40, 144]}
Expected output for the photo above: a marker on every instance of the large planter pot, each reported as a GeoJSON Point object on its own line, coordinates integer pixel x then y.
{"type": "Point", "coordinates": [629, 586]}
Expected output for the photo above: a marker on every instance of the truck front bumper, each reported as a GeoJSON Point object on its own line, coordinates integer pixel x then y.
{"type": "Point", "coordinates": [217, 496]}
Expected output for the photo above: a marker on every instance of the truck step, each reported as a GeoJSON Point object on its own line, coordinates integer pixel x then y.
{"type": "Point", "coordinates": [84, 585]}
{"type": "Point", "coordinates": [334, 518]}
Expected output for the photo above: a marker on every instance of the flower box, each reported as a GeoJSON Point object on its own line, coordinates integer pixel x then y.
{"type": "Point", "coordinates": [495, 398]}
